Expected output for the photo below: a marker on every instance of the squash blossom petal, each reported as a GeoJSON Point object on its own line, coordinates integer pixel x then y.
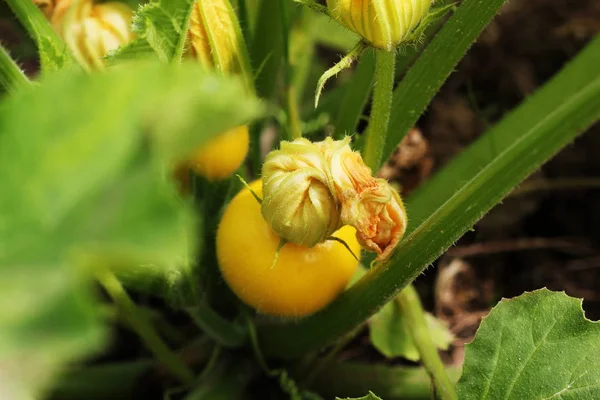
{"type": "Point", "coordinates": [368, 204]}
{"type": "Point", "coordinates": [382, 23]}
{"type": "Point", "coordinates": [312, 189]}
{"type": "Point", "coordinates": [299, 200]}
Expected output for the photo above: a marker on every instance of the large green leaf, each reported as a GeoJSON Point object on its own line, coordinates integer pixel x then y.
{"type": "Point", "coordinates": [536, 346]}
{"type": "Point", "coordinates": [85, 181]}
{"type": "Point", "coordinates": [546, 122]}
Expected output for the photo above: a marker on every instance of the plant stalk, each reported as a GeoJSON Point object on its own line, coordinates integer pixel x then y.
{"type": "Point", "coordinates": [12, 77]}
{"type": "Point", "coordinates": [385, 63]}
{"type": "Point", "coordinates": [217, 328]}
{"type": "Point", "coordinates": [412, 309]}
{"type": "Point", "coordinates": [143, 328]}
{"type": "Point", "coordinates": [39, 29]}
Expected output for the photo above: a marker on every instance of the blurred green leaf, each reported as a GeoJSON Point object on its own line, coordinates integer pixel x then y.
{"type": "Point", "coordinates": [330, 33]}
{"type": "Point", "coordinates": [536, 346]}
{"type": "Point", "coordinates": [89, 180]}
{"type": "Point", "coordinates": [101, 382]}
{"type": "Point", "coordinates": [390, 334]}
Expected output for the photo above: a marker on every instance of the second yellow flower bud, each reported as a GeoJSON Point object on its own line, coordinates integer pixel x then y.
{"type": "Point", "coordinates": [382, 23]}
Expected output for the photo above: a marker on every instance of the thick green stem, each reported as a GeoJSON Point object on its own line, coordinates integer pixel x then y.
{"type": "Point", "coordinates": [412, 310]}
{"type": "Point", "coordinates": [39, 28]}
{"type": "Point", "coordinates": [385, 63]}
{"type": "Point", "coordinates": [143, 328]}
{"type": "Point", "coordinates": [11, 76]}
{"type": "Point", "coordinates": [32, 19]}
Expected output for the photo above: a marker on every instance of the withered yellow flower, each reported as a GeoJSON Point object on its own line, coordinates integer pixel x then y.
{"type": "Point", "coordinates": [382, 23]}
{"type": "Point", "coordinates": [299, 200]}
{"type": "Point", "coordinates": [312, 189]}
{"type": "Point", "coordinates": [368, 204]}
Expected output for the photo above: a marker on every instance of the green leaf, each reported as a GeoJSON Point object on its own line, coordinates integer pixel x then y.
{"type": "Point", "coordinates": [370, 396]}
{"type": "Point", "coordinates": [536, 346]}
{"type": "Point", "coordinates": [134, 50]}
{"type": "Point", "coordinates": [435, 64]}
{"type": "Point", "coordinates": [541, 126]}
{"type": "Point", "coordinates": [267, 47]}
{"type": "Point", "coordinates": [163, 25]}
{"type": "Point", "coordinates": [85, 183]}
{"type": "Point", "coordinates": [390, 333]}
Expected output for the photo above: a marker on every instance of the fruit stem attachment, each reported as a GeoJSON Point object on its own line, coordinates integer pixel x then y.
{"type": "Point", "coordinates": [142, 327]}
{"type": "Point", "coordinates": [411, 308]}
{"type": "Point", "coordinates": [12, 77]}
{"type": "Point", "coordinates": [385, 64]}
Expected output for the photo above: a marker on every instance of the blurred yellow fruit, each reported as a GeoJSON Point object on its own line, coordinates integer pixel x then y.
{"type": "Point", "coordinates": [222, 155]}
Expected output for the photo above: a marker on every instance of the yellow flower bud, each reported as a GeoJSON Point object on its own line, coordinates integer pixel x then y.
{"type": "Point", "coordinates": [383, 23]}
{"type": "Point", "coordinates": [214, 37]}
{"type": "Point", "coordinates": [299, 200]}
{"type": "Point", "coordinates": [92, 30]}
{"type": "Point", "coordinates": [368, 204]}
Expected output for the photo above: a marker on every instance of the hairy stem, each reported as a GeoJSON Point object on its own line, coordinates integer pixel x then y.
{"type": "Point", "coordinates": [11, 76]}
{"type": "Point", "coordinates": [385, 63]}
{"type": "Point", "coordinates": [411, 308]}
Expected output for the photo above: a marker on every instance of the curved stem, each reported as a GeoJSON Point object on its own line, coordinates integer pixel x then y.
{"type": "Point", "coordinates": [220, 330]}
{"type": "Point", "coordinates": [411, 308]}
{"type": "Point", "coordinates": [142, 327]}
{"type": "Point", "coordinates": [385, 63]}
{"type": "Point", "coordinates": [11, 76]}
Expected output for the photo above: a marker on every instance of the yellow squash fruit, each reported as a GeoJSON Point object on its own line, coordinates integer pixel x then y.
{"type": "Point", "coordinates": [303, 281]}
{"type": "Point", "coordinates": [222, 155]}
